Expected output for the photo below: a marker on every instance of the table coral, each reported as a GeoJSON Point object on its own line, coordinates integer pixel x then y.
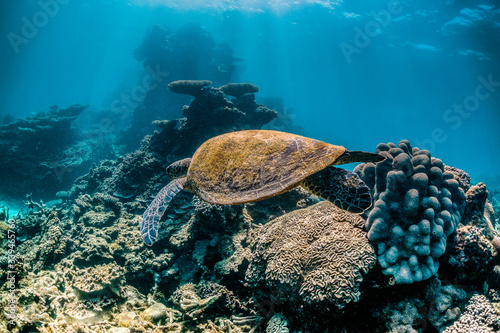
{"type": "Point", "coordinates": [188, 87]}
{"type": "Point", "coordinates": [239, 89]}
{"type": "Point", "coordinates": [417, 206]}
{"type": "Point", "coordinates": [317, 254]}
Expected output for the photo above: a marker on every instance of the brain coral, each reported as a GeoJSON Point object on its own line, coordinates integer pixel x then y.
{"type": "Point", "coordinates": [417, 206]}
{"type": "Point", "coordinates": [314, 255]}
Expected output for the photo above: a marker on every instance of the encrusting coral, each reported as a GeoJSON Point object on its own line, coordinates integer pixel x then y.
{"type": "Point", "coordinates": [445, 306]}
{"type": "Point", "coordinates": [316, 255]}
{"type": "Point", "coordinates": [417, 205]}
{"type": "Point", "coordinates": [479, 316]}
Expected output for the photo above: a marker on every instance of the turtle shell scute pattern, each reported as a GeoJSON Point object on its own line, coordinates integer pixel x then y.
{"type": "Point", "coordinates": [247, 166]}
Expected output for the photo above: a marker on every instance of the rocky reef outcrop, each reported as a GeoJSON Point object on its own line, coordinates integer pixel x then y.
{"type": "Point", "coordinates": [210, 113]}
{"type": "Point", "coordinates": [43, 153]}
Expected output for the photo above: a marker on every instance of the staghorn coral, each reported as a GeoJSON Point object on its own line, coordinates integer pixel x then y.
{"type": "Point", "coordinates": [479, 317]}
{"type": "Point", "coordinates": [314, 255]}
{"type": "Point", "coordinates": [417, 206]}
{"type": "Point", "coordinates": [223, 325]}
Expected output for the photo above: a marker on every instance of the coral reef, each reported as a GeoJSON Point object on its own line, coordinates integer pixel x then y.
{"type": "Point", "coordinates": [473, 250]}
{"type": "Point", "coordinates": [417, 206]}
{"type": "Point", "coordinates": [98, 281]}
{"type": "Point", "coordinates": [42, 153]}
{"type": "Point", "coordinates": [478, 211]}
{"type": "Point", "coordinates": [291, 263]}
{"type": "Point", "coordinates": [470, 256]}
{"type": "Point", "coordinates": [208, 115]}
{"type": "Point", "coordinates": [316, 255]}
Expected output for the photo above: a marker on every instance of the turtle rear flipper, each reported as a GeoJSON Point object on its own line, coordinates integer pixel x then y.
{"type": "Point", "coordinates": [341, 187]}
{"type": "Point", "coordinates": [152, 215]}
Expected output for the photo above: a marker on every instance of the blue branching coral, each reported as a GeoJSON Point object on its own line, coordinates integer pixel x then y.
{"type": "Point", "coordinates": [417, 205]}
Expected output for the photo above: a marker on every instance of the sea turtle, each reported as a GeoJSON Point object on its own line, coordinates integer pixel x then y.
{"type": "Point", "coordinates": [252, 165]}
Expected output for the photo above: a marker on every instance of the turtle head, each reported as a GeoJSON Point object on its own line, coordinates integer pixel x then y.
{"type": "Point", "coordinates": [350, 156]}
{"type": "Point", "coordinates": [178, 169]}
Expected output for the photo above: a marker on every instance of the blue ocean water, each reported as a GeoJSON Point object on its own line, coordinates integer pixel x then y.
{"type": "Point", "coordinates": [353, 73]}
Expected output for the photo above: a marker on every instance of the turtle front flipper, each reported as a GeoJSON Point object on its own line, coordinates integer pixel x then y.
{"type": "Point", "coordinates": [358, 156]}
{"type": "Point", "coordinates": [152, 215]}
{"type": "Point", "coordinates": [341, 187]}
